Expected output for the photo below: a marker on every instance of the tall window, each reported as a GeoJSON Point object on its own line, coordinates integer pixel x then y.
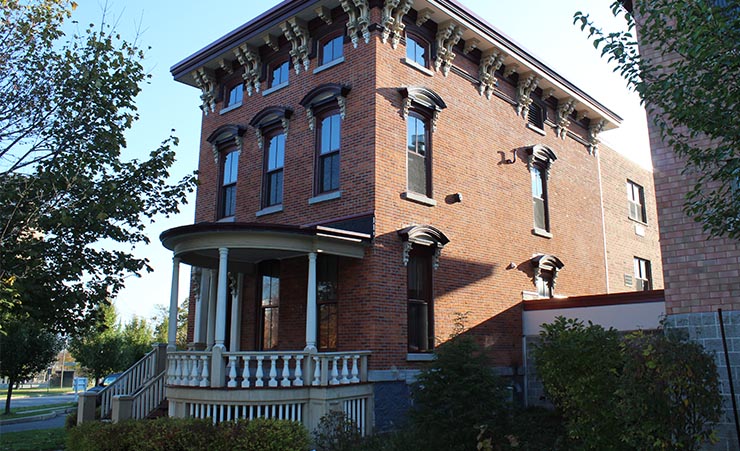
{"type": "Point", "coordinates": [416, 50]}
{"type": "Point", "coordinates": [326, 296]}
{"type": "Point", "coordinates": [280, 73]}
{"type": "Point", "coordinates": [229, 173]}
{"type": "Point", "coordinates": [636, 201]}
{"type": "Point", "coordinates": [418, 155]}
{"type": "Point", "coordinates": [328, 153]}
{"type": "Point", "coordinates": [546, 268]}
{"type": "Point", "coordinates": [273, 179]}
{"type": "Point", "coordinates": [235, 95]}
{"type": "Point", "coordinates": [269, 303]}
{"type": "Point", "coordinates": [536, 114]}
{"type": "Point", "coordinates": [420, 299]}
{"type": "Point", "coordinates": [539, 198]}
{"type": "Point", "coordinates": [643, 274]}
{"type": "Point", "coordinates": [544, 284]}
{"type": "Point", "coordinates": [332, 50]}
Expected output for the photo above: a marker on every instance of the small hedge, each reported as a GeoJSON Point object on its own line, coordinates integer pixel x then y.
{"type": "Point", "coordinates": [176, 434]}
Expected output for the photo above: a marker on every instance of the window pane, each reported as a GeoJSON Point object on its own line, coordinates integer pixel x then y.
{"type": "Point", "coordinates": [327, 326]}
{"type": "Point", "coordinates": [537, 190]}
{"type": "Point", "coordinates": [235, 95]}
{"type": "Point", "coordinates": [418, 325]}
{"type": "Point", "coordinates": [330, 133]}
{"type": "Point", "coordinates": [275, 188]}
{"type": "Point", "coordinates": [276, 153]}
{"type": "Point", "coordinates": [332, 50]}
{"type": "Point", "coordinates": [415, 51]}
{"type": "Point", "coordinates": [417, 173]}
{"type": "Point", "coordinates": [416, 135]}
{"type": "Point", "coordinates": [329, 175]}
{"type": "Point", "coordinates": [228, 201]}
{"type": "Point", "coordinates": [231, 163]}
{"type": "Point", "coordinates": [280, 74]}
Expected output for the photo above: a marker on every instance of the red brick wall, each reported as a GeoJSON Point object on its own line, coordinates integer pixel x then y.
{"type": "Point", "coordinates": [623, 241]}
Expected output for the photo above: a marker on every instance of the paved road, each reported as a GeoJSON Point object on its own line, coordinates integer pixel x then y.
{"type": "Point", "coordinates": [41, 400]}
{"type": "Point", "coordinates": [43, 424]}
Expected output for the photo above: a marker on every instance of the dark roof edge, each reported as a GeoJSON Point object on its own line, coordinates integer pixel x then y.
{"type": "Point", "coordinates": [278, 13]}
{"type": "Point", "coordinates": [497, 34]}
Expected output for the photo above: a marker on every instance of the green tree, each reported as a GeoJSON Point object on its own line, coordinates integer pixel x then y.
{"type": "Point", "coordinates": [652, 392]}
{"type": "Point", "coordinates": [26, 349]}
{"type": "Point", "coordinates": [138, 337]}
{"type": "Point", "coordinates": [100, 349]}
{"type": "Point", "coordinates": [691, 90]}
{"type": "Point", "coordinates": [162, 321]}
{"type": "Point", "coordinates": [456, 396]}
{"type": "Point", "coordinates": [65, 187]}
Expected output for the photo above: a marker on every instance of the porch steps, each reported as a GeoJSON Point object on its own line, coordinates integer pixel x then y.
{"type": "Point", "coordinates": [160, 411]}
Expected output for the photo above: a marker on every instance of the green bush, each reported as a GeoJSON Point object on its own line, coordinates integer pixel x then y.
{"type": "Point", "coordinates": [646, 392]}
{"type": "Point", "coordinates": [336, 432]}
{"type": "Point", "coordinates": [455, 396]}
{"type": "Point", "coordinates": [177, 434]}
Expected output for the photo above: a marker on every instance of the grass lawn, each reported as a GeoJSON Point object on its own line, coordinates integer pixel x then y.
{"type": "Point", "coordinates": [35, 392]}
{"type": "Point", "coordinates": [37, 440]}
{"type": "Point", "coordinates": [34, 410]}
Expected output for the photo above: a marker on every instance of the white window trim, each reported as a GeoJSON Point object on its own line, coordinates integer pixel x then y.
{"type": "Point", "coordinates": [418, 198]}
{"type": "Point", "coordinates": [269, 210]}
{"type": "Point", "coordinates": [417, 66]}
{"type": "Point", "coordinates": [275, 88]}
{"type": "Point", "coordinates": [230, 107]}
{"type": "Point", "coordinates": [329, 65]}
{"type": "Point", "coordinates": [325, 197]}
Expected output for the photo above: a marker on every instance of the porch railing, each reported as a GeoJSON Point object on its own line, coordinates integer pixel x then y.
{"type": "Point", "coordinates": [266, 369]}
{"type": "Point", "coordinates": [131, 380]}
{"type": "Point", "coordinates": [148, 398]}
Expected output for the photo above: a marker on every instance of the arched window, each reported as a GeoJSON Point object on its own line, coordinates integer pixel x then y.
{"type": "Point", "coordinates": [546, 268]}
{"type": "Point", "coordinates": [422, 246]}
{"type": "Point", "coordinates": [271, 125]}
{"type": "Point", "coordinates": [421, 107]}
{"type": "Point", "coordinates": [226, 142]}
{"type": "Point", "coordinates": [540, 160]}
{"type": "Point", "coordinates": [417, 50]}
{"type": "Point", "coordinates": [331, 49]}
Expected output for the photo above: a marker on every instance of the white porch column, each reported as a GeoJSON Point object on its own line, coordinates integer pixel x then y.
{"type": "Point", "coordinates": [223, 281]}
{"type": "Point", "coordinates": [172, 325]}
{"type": "Point", "coordinates": [236, 308]}
{"type": "Point", "coordinates": [211, 320]}
{"type": "Point", "coordinates": [311, 304]}
{"type": "Point", "coordinates": [201, 311]}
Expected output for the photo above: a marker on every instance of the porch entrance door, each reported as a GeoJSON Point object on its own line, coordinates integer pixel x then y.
{"type": "Point", "coordinates": [269, 304]}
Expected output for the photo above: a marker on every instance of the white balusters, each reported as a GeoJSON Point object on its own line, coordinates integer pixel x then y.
{"type": "Point", "coordinates": [334, 372]}
{"type": "Point", "coordinates": [316, 371]}
{"type": "Point", "coordinates": [259, 382]}
{"type": "Point", "coordinates": [204, 375]}
{"type": "Point", "coordinates": [285, 379]}
{"type": "Point", "coordinates": [232, 371]}
{"type": "Point", "coordinates": [178, 370]}
{"type": "Point", "coordinates": [194, 371]}
{"type": "Point", "coordinates": [355, 370]}
{"type": "Point", "coordinates": [273, 371]}
{"type": "Point", "coordinates": [245, 373]}
{"type": "Point", "coordinates": [345, 371]}
{"type": "Point", "coordinates": [298, 381]}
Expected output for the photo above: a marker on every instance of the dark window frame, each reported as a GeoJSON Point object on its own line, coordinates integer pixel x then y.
{"type": "Point", "coordinates": [268, 269]}
{"type": "Point", "coordinates": [267, 173]}
{"type": "Point", "coordinates": [420, 299]}
{"type": "Point", "coordinates": [331, 37]}
{"type": "Point", "coordinates": [541, 203]}
{"type": "Point", "coordinates": [419, 42]}
{"type": "Point", "coordinates": [228, 90]}
{"type": "Point", "coordinates": [422, 116]}
{"type": "Point", "coordinates": [227, 209]}
{"type": "Point", "coordinates": [334, 155]}
{"type": "Point", "coordinates": [643, 274]}
{"type": "Point", "coordinates": [272, 67]}
{"type": "Point", "coordinates": [327, 299]}
{"type": "Point", "coordinates": [636, 207]}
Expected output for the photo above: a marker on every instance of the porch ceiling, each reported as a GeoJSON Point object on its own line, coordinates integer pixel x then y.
{"type": "Point", "coordinates": [248, 243]}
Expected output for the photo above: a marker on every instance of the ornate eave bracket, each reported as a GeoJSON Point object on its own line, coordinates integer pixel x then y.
{"type": "Point", "coordinates": [490, 62]}
{"type": "Point", "coordinates": [296, 32]}
{"type": "Point", "coordinates": [524, 89]}
{"type": "Point", "coordinates": [448, 35]}
{"type": "Point", "coordinates": [594, 129]}
{"type": "Point", "coordinates": [206, 81]}
{"type": "Point", "coordinates": [392, 20]}
{"type": "Point", "coordinates": [423, 16]}
{"type": "Point", "coordinates": [249, 58]}
{"type": "Point", "coordinates": [563, 111]}
{"type": "Point", "coordinates": [358, 23]}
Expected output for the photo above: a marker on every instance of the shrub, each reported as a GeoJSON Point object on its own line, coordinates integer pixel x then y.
{"type": "Point", "coordinates": [336, 432]}
{"type": "Point", "coordinates": [455, 396]}
{"type": "Point", "coordinates": [643, 391]}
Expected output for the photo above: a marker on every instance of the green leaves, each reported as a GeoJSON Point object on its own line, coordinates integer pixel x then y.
{"type": "Point", "coordinates": [64, 187]}
{"type": "Point", "coordinates": [690, 84]}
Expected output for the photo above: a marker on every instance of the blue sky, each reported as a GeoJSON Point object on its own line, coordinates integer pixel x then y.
{"type": "Point", "coordinates": [176, 29]}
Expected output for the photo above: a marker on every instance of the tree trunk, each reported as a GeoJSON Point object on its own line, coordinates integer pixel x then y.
{"type": "Point", "coordinates": [11, 384]}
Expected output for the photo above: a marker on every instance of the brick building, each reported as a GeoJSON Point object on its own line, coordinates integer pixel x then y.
{"type": "Point", "coordinates": [369, 172]}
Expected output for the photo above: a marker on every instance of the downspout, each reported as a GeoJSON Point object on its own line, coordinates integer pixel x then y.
{"type": "Point", "coordinates": [603, 219]}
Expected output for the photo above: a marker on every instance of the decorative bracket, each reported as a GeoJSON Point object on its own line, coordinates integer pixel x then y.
{"type": "Point", "coordinates": [324, 14]}
{"type": "Point", "coordinates": [272, 42]}
{"type": "Point", "coordinates": [423, 16]}
{"type": "Point", "coordinates": [206, 81]}
{"type": "Point", "coordinates": [260, 138]}
{"type": "Point", "coordinates": [226, 66]}
{"type": "Point", "coordinates": [490, 62]}
{"type": "Point", "coordinates": [565, 108]}
{"type": "Point", "coordinates": [392, 20]}
{"type": "Point", "coordinates": [296, 33]}
{"type": "Point", "coordinates": [525, 87]}
{"type": "Point", "coordinates": [470, 44]}
{"type": "Point", "coordinates": [547, 93]}
{"type": "Point", "coordinates": [359, 19]}
{"type": "Point", "coordinates": [448, 34]}
{"type": "Point", "coordinates": [511, 69]}
{"type": "Point", "coordinates": [593, 135]}
{"type": "Point", "coordinates": [407, 245]}
{"type": "Point", "coordinates": [249, 58]}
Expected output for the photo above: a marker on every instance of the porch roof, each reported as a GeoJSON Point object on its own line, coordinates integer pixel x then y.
{"type": "Point", "coordinates": [248, 243]}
